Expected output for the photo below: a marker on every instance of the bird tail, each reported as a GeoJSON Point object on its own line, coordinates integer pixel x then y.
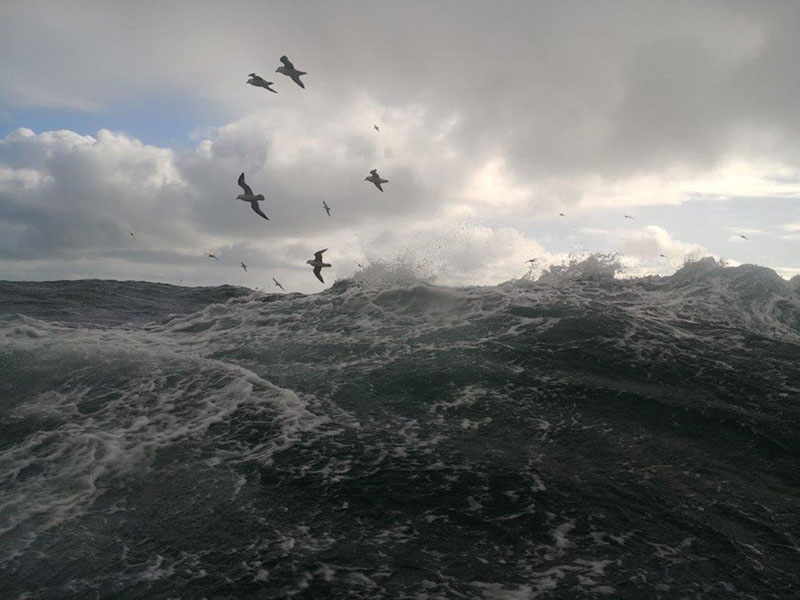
{"type": "Point", "coordinates": [325, 265]}
{"type": "Point", "coordinates": [258, 198]}
{"type": "Point", "coordinates": [302, 73]}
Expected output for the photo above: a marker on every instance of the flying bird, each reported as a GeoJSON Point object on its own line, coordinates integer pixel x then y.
{"type": "Point", "coordinates": [561, 215]}
{"type": "Point", "coordinates": [376, 128]}
{"type": "Point", "coordinates": [278, 284]}
{"type": "Point", "coordinates": [326, 207]}
{"type": "Point", "coordinates": [743, 237]}
{"type": "Point", "coordinates": [289, 70]}
{"type": "Point", "coordinates": [627, 216]}
{"type": "Point", "coordinates": [376, 179]}
{"type": "Point", "coordinates": [533, 260]}
{"type": "Point", "coordinates": [260, 82]}
{"type": "Point", "coordinates": [360, 266]}
{"type": "Point", "coordinates": [663, 255]}
{"type": "Point", "coordinates": [133, 235]}
{"type": "Point", "coordinates": [244, 266]}
{"type": "Point", "coordinates": [212, 256]}
{"type": "Point", "coordinates": [318, 264]}
{"type": "Point", "coordinates": [249, 197]}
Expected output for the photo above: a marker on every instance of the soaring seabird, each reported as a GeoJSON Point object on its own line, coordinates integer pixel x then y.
{"type": "Point", "coordinates": [627, 216]}
{"type": "Point", "coordinates": [326, 207]}
{"type": "Point", "coordinates": [663, 255]}
{"type": "Point", "coordinates": [289, 70]}
{"type": "Point", "coordinates": [743, 237]}
{"type": "Point", "coordinates": [212, 256]}
{"type": "Point", "coordinates": [360, 266]}
{"type": "Point", "coordinates": [532, 260]}
{"type": "Point", "coordinates": [278, 284]}
{"type": "Point", "coordinates": [376, 128]}
{"type": "Point", "coordinates": [249, 197]}
{"type": "Point", "coordinates": [129, 231]}
{"type": "Point", "coordinates": [561, 215]}
{"type": "Point", "coordinates": [260, 82]}
{"type": "Point", "coordinates": [376, 179]}
{"type": "Point", "coordinates": [318, 264]}
{"type": "Point", "coordinates": [244, 266]}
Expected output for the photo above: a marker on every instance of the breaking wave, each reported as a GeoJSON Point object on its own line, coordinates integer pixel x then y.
{"type": "Point", "coordinates": [570, 435]}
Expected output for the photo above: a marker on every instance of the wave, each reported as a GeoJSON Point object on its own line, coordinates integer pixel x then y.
{"type": "Point", "coordinates": [575, 433]}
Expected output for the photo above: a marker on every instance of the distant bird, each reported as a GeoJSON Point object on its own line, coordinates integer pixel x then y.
{"type": "Point", "coordinates": [249, 197]}
{"type": "Point", "coordinates": [212, 256]}
{"type": "Point", "coordinates": [663, 255]}
{"type": "Point", "coordinates": [318, 264]}
{"type": "Point", "coordinates": [743, 237]}
{"type": "Point", "coordinates": [260, 82]}
{"type": "Point", "coordinates": [133, 235]}
{"type": "Point", "coordinates": [627, 216]}
{"type": "Point", "coordinates": [278, 284]}
{"type": "Point", "coordinates": [360, 266]}
{"type": "Point", "coordinates": [289, 70]}
{"type": "Point", "coordinates": [376, 179]}
{"type": "Point", "coordinates": [326, 207]}
{"type": "Point", "coordinates": [533, 260]}
{"type": "Point", "coordinates": [180, 282]}
{"type": "Point", "coordinates": [561, 215]}
{"type": "Point", "coordinates": [376, 128]}
{"type": "Point", "coordinates": [244, 266]}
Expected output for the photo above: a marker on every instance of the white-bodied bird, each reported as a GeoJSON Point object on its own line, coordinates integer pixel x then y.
{"type": "Point", "coordinates": [249, 197]}
{"type": "Point", "coordinates": [318, 264]}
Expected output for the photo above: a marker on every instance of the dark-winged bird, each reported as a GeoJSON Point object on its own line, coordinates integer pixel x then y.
{"type": "Point", "coordinates": [318, 264]}
{"type": "Point", "coordinates": [278, 284]}
{"type": "Point", "coordinates": [249, 197]}
{"type": "Point", "coordinates": [289, 70]}
{"type": "Point", "coordinates": [326, 207]}
{"type": "Point", "coordinates": [376, 179]}
{"type": "Point", "coordinates": [260, 82]}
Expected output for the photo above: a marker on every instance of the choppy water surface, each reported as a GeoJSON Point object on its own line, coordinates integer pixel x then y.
{"type": "Point", "coordinates": [575, 437]}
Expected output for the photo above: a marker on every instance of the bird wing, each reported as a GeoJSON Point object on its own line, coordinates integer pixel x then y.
{"type": "Point", "coordinates": [374, 172]}
{"type": "Point", "coordinates": [287, 62]}
{"type": "Point", "coordinates": [244, 186]}
{"type": "Point", "coordinates": [318, 273]}
{"type": "Point", "coordinates": [257, 209]}
{"type": "Point", "coordinates": [378, 185]}
{"type": "Point", "coordinates": [318, 255]}
{"type": "Point", "coordinates": [296, 78]}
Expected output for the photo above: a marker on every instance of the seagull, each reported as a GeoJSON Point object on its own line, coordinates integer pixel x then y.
{"type": "Point", "coordinates": [627, 216]}
{"type": "Point", "coordinates": [561, 215]}
{"type": "Point", "coordinates": [289, 70]}
{"type": "Point", "coordinates": [244, 266]}
{"type": "Point", "coordinates": [260, 82]}
{"type": "Point", "coordinates": [376, 128]}
{"type": "Point", "coordinates": [360, 266]}
{"type": "Point", "coordinates": [533, 260]}
{"type": "Point", "coordinates": [376, 179]}
{"type": "Point", "coordinates": [326, 207]}
{"type": "Point", "coordinates": [129, 231]}
{"type": "Point", "coordinates": [249, 197]}
{"type": "Point", "coordinates": [663, 255]}
{"type": "Point", "coordinates": [212, 256]}
{"type": "Point", "coordinates": [318, 264]}
{"type": "Point", "coordinates": [744, 237]}
{"type": "Point", "coordinates": [278, 284]}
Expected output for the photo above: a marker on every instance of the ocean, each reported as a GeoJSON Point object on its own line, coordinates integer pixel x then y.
{"type": "Point", "coordinates": [574, 436]}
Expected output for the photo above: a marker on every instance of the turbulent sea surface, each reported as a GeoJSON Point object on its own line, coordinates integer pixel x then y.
{"type": "Point", "coordinates": [578, 436]}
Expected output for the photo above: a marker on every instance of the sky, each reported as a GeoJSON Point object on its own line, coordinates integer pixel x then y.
{"type": "Point", "coordinates": [494, 116]}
